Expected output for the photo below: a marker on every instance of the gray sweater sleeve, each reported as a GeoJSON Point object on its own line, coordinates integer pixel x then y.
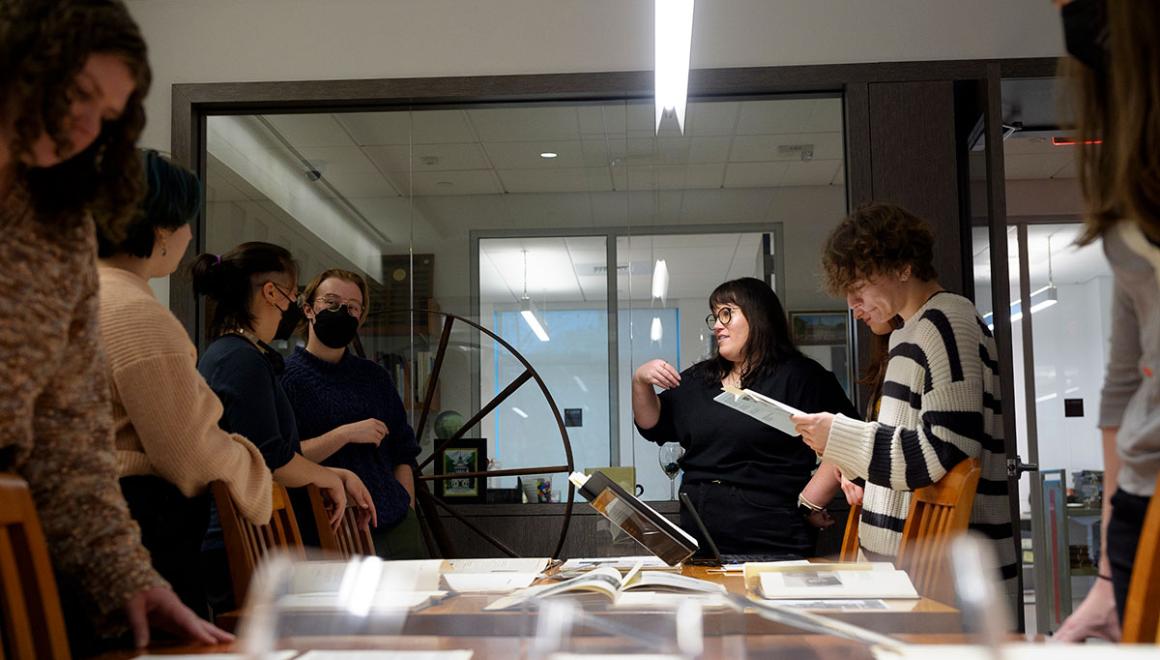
{"type": "Point", "coordinates": [1123, 376]}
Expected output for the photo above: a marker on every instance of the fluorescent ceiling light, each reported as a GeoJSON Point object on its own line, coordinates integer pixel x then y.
{"type": "Point", "coordinates": [673, 21]}
{"type": "Point", "coordinates": [656, 332]}
{"type": "Point", "coordinates": [1041, 299]}
{"type": "Point", "coordinates": [1046, 397]}
{"type": "Point", "coordinates": [549, 154]}
{"type": "Point", "coordinates": [660, 279]}
{"type": "Point", "coordinates": [532, 317]}
{"type": "Point", "coordinates": [519, 412]}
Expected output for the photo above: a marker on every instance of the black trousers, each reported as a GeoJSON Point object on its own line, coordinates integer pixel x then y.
{"type": "Point", "coordinates": [1123, 538]}
{"type": "Point", "coordinates": [172, 527]}
{"type": "Point", "coordinates": [748, 521]}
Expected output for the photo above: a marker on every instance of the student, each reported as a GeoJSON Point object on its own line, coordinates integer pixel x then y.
{"type": "Point", "coordinates": [72, 77]}
{"type": "Point", "coordinates": [254, 294]}
{"type": "Point", "coordinates": [1114, 65]}
{"type": "Point", "coordinates": [165, 417]}
{"type": "Point", "coordinates": [940, 397]}
{"type": "Point", "coordinates": [746, 479]}
{"type": "Point", "coordinates": [351, 410]}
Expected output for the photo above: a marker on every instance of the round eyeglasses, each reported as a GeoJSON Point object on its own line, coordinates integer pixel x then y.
{"type": "Point", "coordinates": [724, 315]}
{"type": "Point", "coordinates": [334, 303]}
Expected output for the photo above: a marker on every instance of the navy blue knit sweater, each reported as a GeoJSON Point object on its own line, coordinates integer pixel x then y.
{"type": "Point", "coordinates": [327, 395]}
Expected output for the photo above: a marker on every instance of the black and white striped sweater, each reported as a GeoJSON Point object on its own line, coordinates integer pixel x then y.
{"type": "Point", "coordinates": [940, 405]}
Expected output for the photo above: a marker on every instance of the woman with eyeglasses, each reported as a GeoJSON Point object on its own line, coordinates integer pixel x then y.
{"type": "Point", "coordinates": [751, 483]}
{"type": "Point", "coordinates": [254, 293]}
{"type": "Point", "coordinates": [349, 408]}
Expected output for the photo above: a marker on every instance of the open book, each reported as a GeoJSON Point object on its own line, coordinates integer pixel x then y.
{"type": "Point", "coordinates": [844, 581]}
{"type": "Point", "coordinates": [608, 582]}
{"type": "Point", "coordinates": [646, 525]}
{"type": "Point", "coordinates": [760, 407]}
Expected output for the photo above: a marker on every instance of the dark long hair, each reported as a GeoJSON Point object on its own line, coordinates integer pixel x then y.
{"type": "Point", "coordinates": [229, 281]}
{"type": "Point", "coordinates": [172, 198]}
{"type": "Point", "coordinates": [769, 342]}
{"type": "Point", "coordinates": [1117, 138]}
{"type": "Point", "coordinates": [43, 46]}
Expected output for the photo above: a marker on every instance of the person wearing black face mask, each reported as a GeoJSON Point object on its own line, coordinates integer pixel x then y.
{"type": "Point", "coordinates": [254, 294]}
{"type": "Point", "coordinates": [351, 411]}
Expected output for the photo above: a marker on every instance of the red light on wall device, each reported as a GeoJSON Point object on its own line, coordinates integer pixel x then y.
{"type": "Point", "coordinates": [1070, 142]}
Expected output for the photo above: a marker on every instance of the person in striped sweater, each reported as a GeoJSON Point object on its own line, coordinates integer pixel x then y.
{"type": "Point", "coordinates": [940, 399]}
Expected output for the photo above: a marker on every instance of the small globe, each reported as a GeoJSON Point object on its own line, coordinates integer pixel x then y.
{"type": "Point", "coordinates": [447, 423]}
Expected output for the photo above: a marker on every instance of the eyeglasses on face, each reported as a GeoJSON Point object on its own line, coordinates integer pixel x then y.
{"type": "Point", "coordinates": [724, 315]}
{"type": "Point", "coordinates": [335, 303]}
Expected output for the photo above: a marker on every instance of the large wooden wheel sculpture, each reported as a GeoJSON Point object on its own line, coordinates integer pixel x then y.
{"type": "Point", "coordinates": [429, 504]}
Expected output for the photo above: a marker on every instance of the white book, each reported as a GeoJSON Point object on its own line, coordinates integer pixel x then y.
{"type": "Point", "coordinates": [488, 583]}
{"type": "Point", "coordinates": [501, 565]}
{"type": "Point", "coordinates": [608, 582]}
{"type": "Point", "coordinates": [770, 412]}
{"type": "Point", "coordinates": [843, 584]}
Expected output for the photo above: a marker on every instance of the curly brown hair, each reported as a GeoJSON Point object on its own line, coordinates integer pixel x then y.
{"type": "Point", "coordinates": [43, 46]}
{"type": "Point", "coordinates": [1117, 132]}
{"type": "Point", "coordinates": [877, 238]}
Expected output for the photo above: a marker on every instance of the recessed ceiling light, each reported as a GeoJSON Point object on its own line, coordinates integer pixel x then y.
{"type": "Point", "coordinates": [549, 154]}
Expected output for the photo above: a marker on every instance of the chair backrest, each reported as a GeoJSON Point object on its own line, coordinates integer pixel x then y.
{"type": "Point", "coordinates": [938, 513]}
{"type": "Point", "coordinates": [349, 539]}
{"type": "Point", "coordinates": [31, 623]}
{"type": "Point", "coordinates": [1142, 611]}
{"type": "Point", "coordinates": [247, 543]}
{"type": "Point", "coordinates": [850, 536]}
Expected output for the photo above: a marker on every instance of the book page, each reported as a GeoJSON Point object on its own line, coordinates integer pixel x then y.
{"type": "Point", "coordinates": [495, 583]}
{"type": "Point", "coordinates": [648, 562]}
{"type": "Point", "coordinates": [672, 583]}
{"type": "Point", "coordinates": [380, 601]}
{"type": "Point", "coordinates": [603, 580]}
{"type": "Point", "coordinates": [836, 584]}
{"type": "Point", "coordinates": [753, 569]}
{"type": "Point", "coordinates": [762, 408]}
{"type": "Point", "coordinates": [501, 565]}
{"type": "Point", "coordinates": [334, 576]}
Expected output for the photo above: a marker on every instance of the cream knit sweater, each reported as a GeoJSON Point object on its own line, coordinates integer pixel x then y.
{"type": "Point", "coordinates": [940, 405]}
{"type": "Point", "coordinates": [165, 416]}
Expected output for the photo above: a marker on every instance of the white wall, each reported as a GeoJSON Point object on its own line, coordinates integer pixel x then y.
{"type": "Point", "coordinates": [261, 40]}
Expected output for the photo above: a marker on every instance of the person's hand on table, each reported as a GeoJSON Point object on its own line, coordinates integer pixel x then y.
{"type": "Point", "coordinates": [160, 608]}
{"type": "Point", "coordinates": [814, 429]}
{"type": "Point", "coordinates": [1095, 617]}
{"type": "Point", "coordinates": [659, 373]}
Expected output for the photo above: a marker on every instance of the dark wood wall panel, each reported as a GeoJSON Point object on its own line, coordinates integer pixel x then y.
{"type": "Point", "coordinates": [913, 158]}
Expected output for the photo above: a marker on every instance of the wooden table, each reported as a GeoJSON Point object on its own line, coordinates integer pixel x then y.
{"type": "Point", "coordinates": [461, 622]}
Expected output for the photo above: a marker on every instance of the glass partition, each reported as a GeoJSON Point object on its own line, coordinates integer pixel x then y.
{"type": "Point", "coordinates": [547, 224]}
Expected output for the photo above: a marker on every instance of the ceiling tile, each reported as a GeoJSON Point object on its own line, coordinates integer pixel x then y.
{"type": "Point", "coordinates": [313, 130]}
{"type": "Point", "coordinates": [526, 155]}
{"type": "Point", "coordinates": [774, 116]}
{"type": "Point", "coordinates": [573, 179]}
{"type": "Point", "coordinates": [515, 124]}
{"type": "Point", "coordinates": [348, 170]}
{"type": "Point", "coordinates": [758, 148]}
{"type": "Point", "coordinates": [810, 173]}
{"type": "Point", "coordinates": [406, 127]}
{"type": "Point", "coordinates": [670, 177]}
{"type": "Point", "coordinates": [754, 175]}
{"type": "Point", "coordinates": [428, 157]}
{"type": "Point", "coordinates": [455, 182]}
{"type": "Point", "coordinates": [709, 118]}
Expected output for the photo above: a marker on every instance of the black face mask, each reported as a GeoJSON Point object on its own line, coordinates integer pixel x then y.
{"type": "Point", "coordinates": [1085, 33]}
{"type": "Point", "coordinates": [335, 328]}
{"type": "Point", "coordinates": [291, 317]}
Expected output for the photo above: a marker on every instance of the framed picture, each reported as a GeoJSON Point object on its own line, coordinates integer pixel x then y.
{"type": "Point", "coordinates": [819, 328]}
{"type": "Point", "coordinates": [825, 337]}
{"type": "Point", "coordinates": [464, 455]}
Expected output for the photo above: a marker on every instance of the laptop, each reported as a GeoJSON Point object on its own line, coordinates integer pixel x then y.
{"type": "Point", "coordinates": [715, 558]}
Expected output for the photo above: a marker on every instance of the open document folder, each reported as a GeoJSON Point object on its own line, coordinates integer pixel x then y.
{"type": "Point", "coordinates": [770, 412]}
{"type": "Point", "coordinates": [608, 582]}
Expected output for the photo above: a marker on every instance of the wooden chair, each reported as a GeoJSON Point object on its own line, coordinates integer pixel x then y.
{"type": "Point", "coordinates": [247, 543]}
{"type": "Point", "coordinates": [31, 623]}
{"type": "Point", "coordinates": [349, 539]}
{"type": "Point", "coordinates": [850, 536]}
{"type": "Point", "coordinates": [1142, 611]}
{"type": "Point", "coordinates": [937, 514]}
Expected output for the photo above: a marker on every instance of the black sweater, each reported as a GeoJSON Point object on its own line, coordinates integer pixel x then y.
{"type": "Point", "coordinates": [723, 444]}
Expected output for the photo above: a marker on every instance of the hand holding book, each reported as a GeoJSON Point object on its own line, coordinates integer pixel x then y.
{"type": "Point", "coordinates": [814, 429]}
